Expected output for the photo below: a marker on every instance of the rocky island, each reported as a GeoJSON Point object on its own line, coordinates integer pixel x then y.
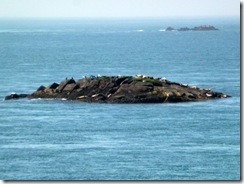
{"type": "Point", "coordinates": [198, 28]}
{"type": "Point", "coordinates": [121, 89]}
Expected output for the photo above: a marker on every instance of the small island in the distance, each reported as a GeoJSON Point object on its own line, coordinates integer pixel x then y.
{"type": "Point", "coordinates": [121, 89]}
{"type": "Point", "coordinates": [198, 28]}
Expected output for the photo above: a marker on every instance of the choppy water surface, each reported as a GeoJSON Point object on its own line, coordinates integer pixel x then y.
{"type": "Point", "coordinates": [46, 139]}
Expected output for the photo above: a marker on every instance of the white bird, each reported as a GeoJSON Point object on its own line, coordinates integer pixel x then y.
{"type": "Point", "coordinates": [208, 94]}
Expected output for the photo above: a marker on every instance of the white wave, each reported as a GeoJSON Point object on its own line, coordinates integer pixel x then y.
{"type": "Point", "coordinates": [162, 30]}
{"type": "Point", "coordinates": [139, 30]}
{"type": "Point", "coordinates": [48, 99]}
{"type": "Point", "coordinates": [34, 99]}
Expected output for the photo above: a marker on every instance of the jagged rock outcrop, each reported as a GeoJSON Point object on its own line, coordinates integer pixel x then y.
{"type": "Point", "coordinates": [122, 89]}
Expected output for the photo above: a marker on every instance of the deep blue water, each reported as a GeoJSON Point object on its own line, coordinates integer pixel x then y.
{"type": "Point", "coordinates": [62, 140]}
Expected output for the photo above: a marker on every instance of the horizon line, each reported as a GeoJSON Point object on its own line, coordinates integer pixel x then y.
{"type": "Point", "coordinates": [117, 17]}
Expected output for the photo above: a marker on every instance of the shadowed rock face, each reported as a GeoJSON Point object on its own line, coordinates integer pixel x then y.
{"type": "Point", "coordinates": [122, 89]}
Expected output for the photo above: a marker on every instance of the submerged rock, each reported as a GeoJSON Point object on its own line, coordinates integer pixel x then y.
{"type": "Point", "coordinates": [122, 89]}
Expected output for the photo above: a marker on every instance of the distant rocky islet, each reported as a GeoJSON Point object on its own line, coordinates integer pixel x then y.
{"type": "Point", "coordinates": [198, 28]}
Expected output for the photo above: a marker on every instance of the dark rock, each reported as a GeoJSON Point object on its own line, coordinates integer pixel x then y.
{"type": "Point", "coordinates": [23, 95]}
{"type": "Point", "coordinates": [198, 28]}
{"type": "Point", "coordinates": [53, 85]}
{"type": "Point", "coordinates": [41, 88]}
{"type": "Point", "coordinates": [119, 80]}
{"type": "Point", "coordinates": [184, 29]}
{"type": "Point", "coordinates": [15, 96]}
{"type": "Point", "coordinates": [169, 29]}
{"type": "Point", "coordinates": [64, 83]}
{"type": "Point", "coordinates": [125, 89]}
{"type": "Point", "coordinates": [11, 97]}
{"type": "Point", "coordinates": [205, 28]}
{"type": "Point", "coordinates": [69, 87]}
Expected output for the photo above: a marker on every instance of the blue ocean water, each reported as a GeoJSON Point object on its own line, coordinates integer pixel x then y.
{"type": "Point", "coordinates": [65, 140]}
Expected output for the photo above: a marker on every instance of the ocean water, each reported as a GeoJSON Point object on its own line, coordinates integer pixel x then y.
{"type": "Point", "coordinates": [66, 140]}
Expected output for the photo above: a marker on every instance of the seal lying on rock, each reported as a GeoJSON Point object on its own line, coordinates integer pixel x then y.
{"type": "Point", "coordinates": [122, 89]}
